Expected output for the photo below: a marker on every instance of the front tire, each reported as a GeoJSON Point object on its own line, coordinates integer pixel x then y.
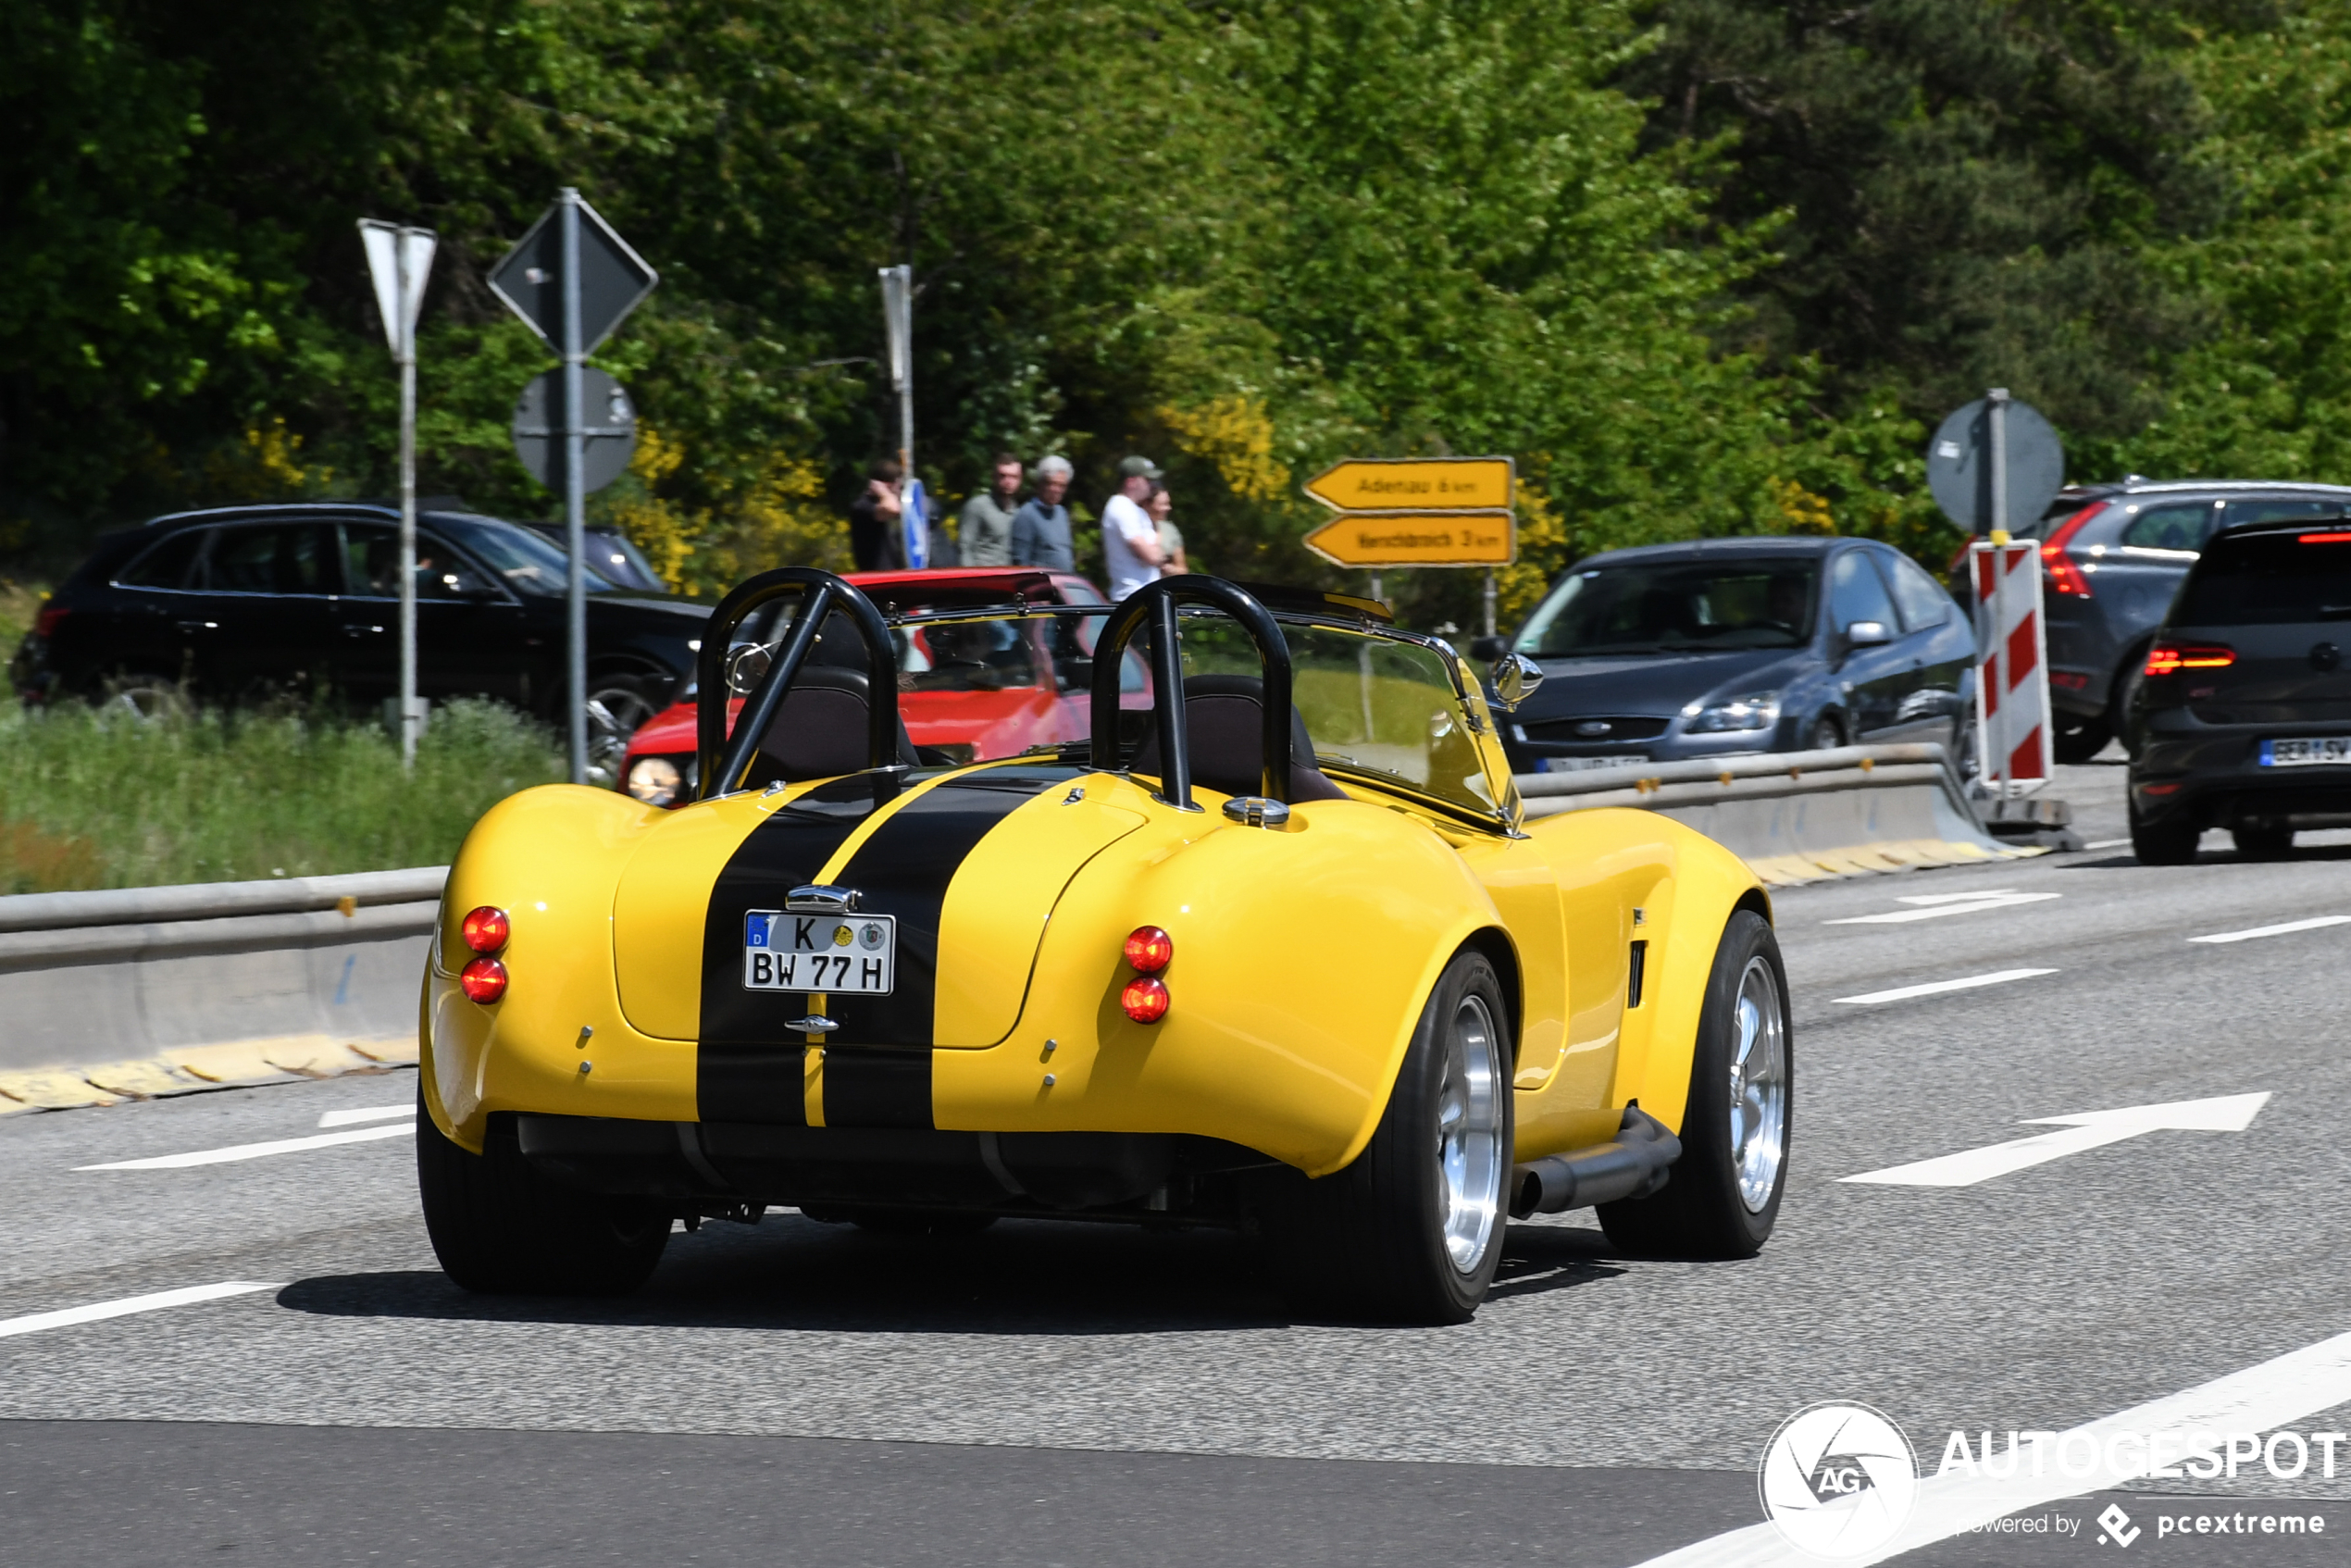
{"type": "Point", "coordinates": [1724, 1196]}
{"type": "Point", "coordinates": [1412, 1230]}
{"type": "Point", "coordinates": [500, 1228]}
{"type": "Point", "coordinates": [2077, 740]}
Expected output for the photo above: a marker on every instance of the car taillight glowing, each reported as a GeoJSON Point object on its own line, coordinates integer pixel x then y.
{"type": "Point", "coordinates": [1145, 999]}
{"type": "Point", "coordinates": [2170, 658]}
{"type": "Point", "coordinates": [2065, 575]}
{"type": "Point", "coordinates": [486, 929]}
{"type": "Point", "coordinates": [2326, 538]}
{"type": "Point", "coordinates": [45, 624]}
{"type": "Point", "coordinates": [483, 981]}
{"type": "Point", "coordinates": [1149, 949]}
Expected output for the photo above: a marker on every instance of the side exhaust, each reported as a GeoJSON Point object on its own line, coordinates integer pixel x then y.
{"type": "Point", "coordinates": [1634, 1164]}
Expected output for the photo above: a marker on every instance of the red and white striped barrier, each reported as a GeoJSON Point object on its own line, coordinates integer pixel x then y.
{"type": "Point", "coordinates": [2012, 673]}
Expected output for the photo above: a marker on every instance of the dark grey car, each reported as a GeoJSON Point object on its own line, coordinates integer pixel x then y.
{"type": "Point", "coordinates": [1673, 652]}
{"type": "Point", "coordinates": [2242, 717]}
{"type": "Point", "coordinates": [2112, 555]}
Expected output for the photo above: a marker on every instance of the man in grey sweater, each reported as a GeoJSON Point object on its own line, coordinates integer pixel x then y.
{"type": "Point", "coordinates": [1041, 529]}
{"type": "Point", "coordinates": [985, 537]}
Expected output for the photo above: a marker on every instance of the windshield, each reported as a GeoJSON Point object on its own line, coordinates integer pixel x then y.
{"type": "Point", "coordinates": [527, 563]}
{"type": "Point", "coordinates": [1371, 704]}
{"type": "Point", "coordinates": [1708, 606]}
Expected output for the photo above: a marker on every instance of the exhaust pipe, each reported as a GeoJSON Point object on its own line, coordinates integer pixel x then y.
{"type": "Point", "coordinates": [1634, 1164]}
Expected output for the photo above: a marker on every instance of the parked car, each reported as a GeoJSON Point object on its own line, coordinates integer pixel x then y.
{"type": "Point", "coordinates": [1296, 929]}
{"type": "Point", "coordinates": [2112, 555]}
{"type": "Point", "coordinates": [968, 691]}
{"type": "Point", "coordinates": [2241, 716]}
{"type": "Point", "coordinates": [1673, 652]}
{"type": "Point", "coordinates": [270, 597]}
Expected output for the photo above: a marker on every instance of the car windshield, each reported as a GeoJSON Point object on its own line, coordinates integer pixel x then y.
{"type": "Point", "coordinates": [1683, 606]}
{"type": "Point", "coordinates": [2269, 580]}
{"type": "Point", "coordinates": [526, 561]}
{"type": "Point", "coordinates": [1372, 704]}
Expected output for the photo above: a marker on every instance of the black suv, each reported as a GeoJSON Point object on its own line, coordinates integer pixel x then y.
{"type": "Point", "coordinates": [2111, 558]}
{"type": "Point", "coordinates": [255, 598]}
{"type": "Point", "coordinates": [2242, 712]}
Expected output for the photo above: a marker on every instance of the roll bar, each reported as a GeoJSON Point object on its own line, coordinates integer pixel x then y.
{"type": "Point", "coordinates": [1155, 602]}
{"type": "Point", "coordinates": [724, 761]}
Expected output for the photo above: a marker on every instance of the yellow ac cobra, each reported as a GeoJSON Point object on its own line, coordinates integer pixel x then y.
{"type": "Point", "coordinates": [1273, 948]}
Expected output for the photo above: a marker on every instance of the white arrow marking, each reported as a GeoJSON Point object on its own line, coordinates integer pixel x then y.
{"type": "Point", "coordinates": [2290, 925]}
{"type": "Point", "coordinates": [252, 1151]}
{"type": "Point", "coordinates": [99, 1310]}
{"type": "Point", "coordinates": [1933, 906]}
{"type": "Point", "coordinates": [2229, 1113]}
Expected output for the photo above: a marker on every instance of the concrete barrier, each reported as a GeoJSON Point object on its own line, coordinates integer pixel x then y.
{"type": "Point", "coordinates": [1799, 816]}
{"type": "Point", "coordinates": [157, 991]}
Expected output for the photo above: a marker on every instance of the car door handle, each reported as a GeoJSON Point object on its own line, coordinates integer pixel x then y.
{"type": "Point", "coordinates": [198, 626]}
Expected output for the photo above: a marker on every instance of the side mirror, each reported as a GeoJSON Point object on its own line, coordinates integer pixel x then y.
{"type": "Point", "coordinates": [1867, 634]}
{"type": "Point", "coordinates": [1514, 679]}
{"type": "Point", "coordinates": [1488, 647]}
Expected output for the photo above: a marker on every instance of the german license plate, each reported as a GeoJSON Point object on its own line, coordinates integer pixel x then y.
{"type": "Point", "coordinates": [1588, 764]}
{"type": "Point", "coordinates": [839, 955]}
{"type": "Point", "coordinates": [2315, 751]}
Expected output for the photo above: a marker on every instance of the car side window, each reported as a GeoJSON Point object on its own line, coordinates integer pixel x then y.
{"type": "Point", "coordinates": [2181, 526]}
{"type": "Point", "coordinates": [2270, 509]}
{"type": "Point", "coordinates": [1858, 593]}
{"type": "Point", "coordinates": [166, 565]}
{"type": "Point", "coordinates": [1923, 603]}
{"type": "Point", "coordinates": [283, 558]}
{"type": "Point", "coordinates": [371, 565]}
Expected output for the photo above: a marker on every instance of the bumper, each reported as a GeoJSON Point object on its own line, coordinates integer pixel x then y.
{"type": "Point", "coordinates": [2213, 777]}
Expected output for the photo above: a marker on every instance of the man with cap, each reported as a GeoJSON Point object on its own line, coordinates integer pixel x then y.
{"type": "Point", "coordinates": [1131, 553]}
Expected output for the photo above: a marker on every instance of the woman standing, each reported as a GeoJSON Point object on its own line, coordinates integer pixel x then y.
{"type": "Point", "coordinates": [1171, 538]}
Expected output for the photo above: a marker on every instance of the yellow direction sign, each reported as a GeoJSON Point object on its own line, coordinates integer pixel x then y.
{"type": "Point", "coordinates": [1458, 538]}
{"type": "Point", "coordinates": [1414, 484]}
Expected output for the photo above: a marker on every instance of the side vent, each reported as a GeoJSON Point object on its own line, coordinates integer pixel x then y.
{"type": "Point", "coordinates": [1634, 972]}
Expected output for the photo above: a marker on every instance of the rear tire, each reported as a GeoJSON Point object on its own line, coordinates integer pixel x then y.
{"type": "Point", "coordinates": [2079, 740]}
{"type": "Point", "coordinates": [1412, 1230]}
{"type": "Point", "coordinates": [1723, 1195]}
{"type": "Point", "coordinates": [2266, 841]}
{"type": "Point", "coordinates": [2169, 841]}
{"type": "Point", "coordinates": [501, 1228]}
{"type": "Point", "coordinates": [1827, 735]}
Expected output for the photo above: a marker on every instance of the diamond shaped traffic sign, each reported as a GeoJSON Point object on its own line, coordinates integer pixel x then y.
{"type": "Point", "coordinates": [613, 278]}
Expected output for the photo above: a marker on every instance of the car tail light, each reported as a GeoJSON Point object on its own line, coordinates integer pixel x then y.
{"type": "Point", "coordinates": [2065, 575]}
{"type": "Point", "coordinates": [45, 624]}
{"type": "Point", "coordinates": [2170, 658]}
{"type": "Point", "coordinates": [2306, 538]}
{"type": "Point", "coordinates": [483, 981]}
{"type": "Point", "coordinates": [1145, 1000]}
{"type": "Point", "coordinates": [486, 929]}
{"type": "Point", "coordinates": [1149, 949]}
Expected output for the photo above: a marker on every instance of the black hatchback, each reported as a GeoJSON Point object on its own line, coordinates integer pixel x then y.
{"type": "Point", "coordinates": [1722, 646]}
{"type": "Point", "coordinates": [295, 597]}
{"type": "Point", "coordinates": [2242, 718]}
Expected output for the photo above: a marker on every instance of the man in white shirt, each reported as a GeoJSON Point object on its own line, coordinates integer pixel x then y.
{"type": "Point", "coordinates": [1131, 553]}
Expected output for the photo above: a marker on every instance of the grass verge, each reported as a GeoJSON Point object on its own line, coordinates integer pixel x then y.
{"type": "Point", "coordinates": [103, 798]}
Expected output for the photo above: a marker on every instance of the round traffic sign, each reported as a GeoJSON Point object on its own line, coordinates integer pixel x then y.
{"type": "Point", "coordinates": [610, 425]}
{"type": "Point", "coordinates": [1958, 466]}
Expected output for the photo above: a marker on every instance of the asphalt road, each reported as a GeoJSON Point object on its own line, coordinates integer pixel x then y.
{"type": "Point", "coordinates": [1066, 1394]}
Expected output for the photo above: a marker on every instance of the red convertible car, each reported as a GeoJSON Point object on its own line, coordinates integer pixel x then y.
{"type": "Point", "coordinates": [969, 692]}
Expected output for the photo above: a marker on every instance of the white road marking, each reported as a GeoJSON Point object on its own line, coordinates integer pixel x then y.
{"type": "Point", "coordinates": [250, 1151]}
{"type": "Point", "coordinates": [372, 1113]}
{"type": "Point", "coordinates": [1932, 987]}
{"type": "Point", "coordinates": [1933, 906]}
{"type": "Point", "coordinates": [2228, 1113]}
{"type": "Point", "coordinates": [2275, 1394]}
{"type": "Point", "coordinates": [186, 1295]}
{"type": "Point", "coordinates": [2311, 925]}
{"type": "Point", "coordinates": [2106, 843]}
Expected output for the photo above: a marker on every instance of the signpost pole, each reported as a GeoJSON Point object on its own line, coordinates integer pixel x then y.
{"type": "Point", "coordinates": [407, 360]}
{"type": "Point", "coordinates": [574, 489]}
{"type": "Point", "coordinates": [1995, 413]}
{"type": "Point", "coordinates": [898, 325]}
{"type": "Point", "coordinates": [1490, 600]}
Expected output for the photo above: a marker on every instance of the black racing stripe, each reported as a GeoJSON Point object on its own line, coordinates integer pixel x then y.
{"type": "Point", "coordinates": [877, 1086]}
{"type": "Point", "coordinates": [903, 870]}
{"type": "Point", "coordinates": [748, 1065]}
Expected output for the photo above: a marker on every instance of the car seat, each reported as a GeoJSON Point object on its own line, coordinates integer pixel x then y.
{"type": "Point", "coordinates": [819, 730]}
{"type": "Point", "coordinates": [1223, 717]}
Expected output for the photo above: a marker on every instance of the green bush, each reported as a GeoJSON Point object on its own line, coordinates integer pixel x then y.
{"type": "Point", "coordinates": [105, 798]}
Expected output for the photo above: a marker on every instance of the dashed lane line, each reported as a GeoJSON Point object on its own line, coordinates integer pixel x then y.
{"type": "Point", "coordinates": [251, 1150]}
{"type": "Point", "coordinates": [187, 1295]}
{"type": "Point", "coordinates": [1933, 906]}
{"type": "Point", "coordinates": [370, 1113]}
{"type": "Point", "coordinates": [2311, 925]}
{"type": "Point", "coordinates": [2274, 1394]}
{"type": "Point", "coordinates": [1934, 987]}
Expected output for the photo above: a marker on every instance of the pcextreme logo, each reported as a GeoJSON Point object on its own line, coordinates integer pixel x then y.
{"type": "Point", "coordinates": [1837, 1480]}
{"type": "Point", "coordinates": [2116, 1527]}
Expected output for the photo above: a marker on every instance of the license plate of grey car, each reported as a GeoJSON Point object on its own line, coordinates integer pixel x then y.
{"type": "Point", "coordinates": [840, 954]}
{"type": "Point", "coordinates": [2313, 751]}
{"type": "Point", "coordinates": [1588, 765]}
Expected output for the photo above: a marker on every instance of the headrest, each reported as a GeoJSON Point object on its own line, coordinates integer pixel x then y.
{"type": "Point", "coordinates": [1224, 718]}
{"type": "Point", "coordinates": [819, 730]}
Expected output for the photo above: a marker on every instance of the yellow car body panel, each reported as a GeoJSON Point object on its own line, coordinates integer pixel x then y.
{"type": "Point", "coordinates": [1304, 958]}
